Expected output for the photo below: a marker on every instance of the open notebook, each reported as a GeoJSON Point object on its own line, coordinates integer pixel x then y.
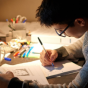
{"type": "Point", "coordinates": [60, 68]}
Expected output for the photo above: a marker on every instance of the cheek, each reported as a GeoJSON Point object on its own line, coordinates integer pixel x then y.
{"type": "Point", "coordinates": [74, 33]}
{"type": "Point", "coordinates": [71, 32]}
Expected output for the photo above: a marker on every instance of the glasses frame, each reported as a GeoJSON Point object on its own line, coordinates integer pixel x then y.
{"type": "Point", "coordinates": [60, 34]}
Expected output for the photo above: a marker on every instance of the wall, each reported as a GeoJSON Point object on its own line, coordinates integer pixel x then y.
{"type": "Point", "coordinates": [12, 8]}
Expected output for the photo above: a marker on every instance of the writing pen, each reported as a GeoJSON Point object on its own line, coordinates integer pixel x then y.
{"type": "Point", "coordinates": [8, 59]}
{"type": "Point", "coordinates": [7, 21]}
{"type": "Point", "coordinates": [44, 49]}
{"type": "Point", "coordinates": [17, 20]}
{"type": "Point", "coordinates": [29, 51]}
{"type": "Point", "coordinates": [13, 20]}
{"type": "Point", "coordinates": [24, 21]}
{"type": "Point", "coordinates": [11, 27]}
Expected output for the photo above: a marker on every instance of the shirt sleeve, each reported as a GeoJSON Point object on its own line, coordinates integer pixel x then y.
{"type": "Point", "coordinates": [80, 80]}
{"type": "Point", "coordinates": [72, 51]}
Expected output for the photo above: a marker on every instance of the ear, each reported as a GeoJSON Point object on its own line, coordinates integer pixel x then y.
{"type": "Point", "coordinates": [80, 21]}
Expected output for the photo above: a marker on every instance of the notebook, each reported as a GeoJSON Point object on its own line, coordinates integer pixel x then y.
{"type": "Point", "coordinates": [60, 68]}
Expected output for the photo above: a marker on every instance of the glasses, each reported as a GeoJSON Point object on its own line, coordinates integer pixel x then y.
{"type": "Point", "coordinates": [62, 32]}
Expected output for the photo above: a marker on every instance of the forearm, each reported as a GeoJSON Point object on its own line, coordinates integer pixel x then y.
{"type": "Point", "coordinates": [62, 54]}
{"type": "Point", "coordinates": [73, 51]}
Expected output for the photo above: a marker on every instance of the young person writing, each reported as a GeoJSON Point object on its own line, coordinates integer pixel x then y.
{"type": "Point", "coordinates": [68, 18]}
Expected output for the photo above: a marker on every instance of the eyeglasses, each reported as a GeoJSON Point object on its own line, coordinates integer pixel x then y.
{"type": "Point", "coordinates": [62, 32]}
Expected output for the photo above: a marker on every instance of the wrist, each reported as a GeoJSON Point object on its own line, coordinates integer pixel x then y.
{"type": "Point", "coordinates": [62, 54]}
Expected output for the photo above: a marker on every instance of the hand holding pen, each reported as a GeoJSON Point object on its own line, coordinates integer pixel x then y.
{"type": "Point", "coordinates": [46, 53]}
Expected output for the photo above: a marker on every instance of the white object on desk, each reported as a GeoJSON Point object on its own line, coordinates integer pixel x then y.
{"type": "Point", "coordinates": [19, 34]}
{"type": "Point", "coordinates": [26, 72]}
{"type": "Point", "coordinates": [38, 48]}
{"type": "Point", "coordinates": [60, 68]}
{"type": "Point", "coordinates": [2, 53]}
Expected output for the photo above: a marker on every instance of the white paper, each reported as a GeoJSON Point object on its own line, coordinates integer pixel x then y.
{"type": "Point", "coordinates": [60, 68]}
{"type": "Point", "coordinates": [38, 48]}
{"type": "Point", "coordinates": [26, 72]}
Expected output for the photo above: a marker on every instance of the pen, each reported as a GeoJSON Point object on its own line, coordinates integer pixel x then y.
{"type": "Point", "coordinates": [24, 21]}
{"type": "Point", "coordinates": [21, 52]}
{"type": "Point", "coordinates": [13, 20]}
{"type": "Point", "coordinates": [29, 51]}
{"type": "Point", "coordinates": [44, 49]}
{"type": "Point", "coordinates": [16, 53]}
{"type": "Point", "coordinates": [8, 59]}
{"type": "Point", "coordinates": [24, 54]}
{"type": "Point", "coordinates": [7, 21]}
{"type": "Point", "coordinates": [17, 20]}
{"type": "Point", "coordinates": [23, 49]}
{"type": "Point", "coordinates": [11, 27]}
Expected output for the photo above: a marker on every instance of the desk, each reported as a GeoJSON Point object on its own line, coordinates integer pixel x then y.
{"type": "Point", "coordinates": [64, 79]}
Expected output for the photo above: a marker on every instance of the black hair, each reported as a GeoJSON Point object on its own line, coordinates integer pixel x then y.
{"type": "Point", "coordinates": [61, 11]}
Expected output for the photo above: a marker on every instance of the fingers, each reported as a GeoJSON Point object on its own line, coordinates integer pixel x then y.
{"type": "Point", "coordinates": [44, 58]}
{"type": "Point", "coordinates": [54, 55]}
{"type": "Point", "coordinates": [10, 73]}
{"type": "Point", "coordinates": [6, 77]}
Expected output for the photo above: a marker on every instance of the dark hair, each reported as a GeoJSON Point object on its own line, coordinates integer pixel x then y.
{"type": "Point", "coordinates": [61, 11]}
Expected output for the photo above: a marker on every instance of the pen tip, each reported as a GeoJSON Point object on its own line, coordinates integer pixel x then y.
{"type": "Point", "coordinates": [52, 64]}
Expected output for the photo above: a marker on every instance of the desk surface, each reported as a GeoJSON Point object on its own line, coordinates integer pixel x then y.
{"type": "Point", "coordinates": [63, 79]}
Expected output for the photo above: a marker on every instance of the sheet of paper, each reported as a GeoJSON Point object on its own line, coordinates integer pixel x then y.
{"type": "Point", "coordinates": [60, 68]}
{"type": "Point", "coordinates": [26, 72]}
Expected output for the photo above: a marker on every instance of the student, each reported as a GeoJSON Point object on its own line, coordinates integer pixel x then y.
{"type": "Point", "coordinates": [70, 18]}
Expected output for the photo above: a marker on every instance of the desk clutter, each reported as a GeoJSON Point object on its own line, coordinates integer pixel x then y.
{"type": "Point", "coordinates": [16, 30]}
{"type": "Point", "coordinates": [17, 27]}
{"type": "Point", "coordinates": [24, 51]}
{"type": "Point", "coordinates": [19, 48]}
